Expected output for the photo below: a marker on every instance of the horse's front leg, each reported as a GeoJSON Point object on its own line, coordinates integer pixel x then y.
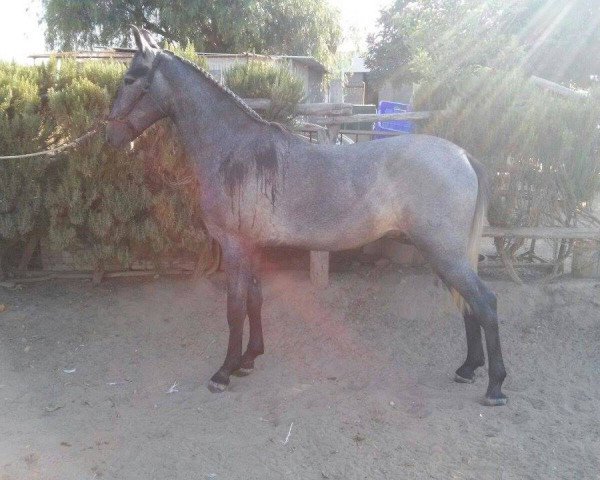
{"type": "Point", "coordinates": [239, 276]}
{"type": "Point", "coordinates": [254, 305]}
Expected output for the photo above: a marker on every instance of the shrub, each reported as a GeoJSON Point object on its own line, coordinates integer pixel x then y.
{"type": "Point", "coordinates": [102, 205]}
{"type": "Point", "coordinates": [549, 143]}
{"type": "Point", "coordinates": [21, 129]}
{"type": "Point", "coordinates": [258, 79]}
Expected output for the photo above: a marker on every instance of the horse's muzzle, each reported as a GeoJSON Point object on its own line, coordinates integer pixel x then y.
{"type": "Point", "coordinates": [118, 134]}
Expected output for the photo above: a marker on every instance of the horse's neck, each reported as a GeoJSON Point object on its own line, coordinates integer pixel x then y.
{"type": "Point", "coordinates": [208, 120]}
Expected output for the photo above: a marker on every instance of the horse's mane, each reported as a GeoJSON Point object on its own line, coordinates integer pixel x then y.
{"type": "Point", "coordinates": [265, 156]}
{"type": "Point", "coordinates": [238, 101]}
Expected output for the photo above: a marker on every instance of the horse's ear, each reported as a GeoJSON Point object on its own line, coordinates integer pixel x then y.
{"type": "Point", "coordinates": [149, 39]}
{"type": "Point", "coordinates": [139, 41]}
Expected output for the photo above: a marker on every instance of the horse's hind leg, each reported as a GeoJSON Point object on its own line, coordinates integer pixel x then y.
{"type": "Point", "coordinates": [466, 372]}
{"type": "Point", "coordinates": [255, 342]}
{"type": "Point", "coordinates": [449, 260]}
{"type": "Point", "coordinates": [482, 304]}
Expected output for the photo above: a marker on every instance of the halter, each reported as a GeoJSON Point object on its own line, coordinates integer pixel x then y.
{"type": "Point", "coordinates": [144, 91]}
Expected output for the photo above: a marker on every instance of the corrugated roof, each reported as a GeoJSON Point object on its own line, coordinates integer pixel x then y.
{"type": "Point", "coordinates": [125, 53]}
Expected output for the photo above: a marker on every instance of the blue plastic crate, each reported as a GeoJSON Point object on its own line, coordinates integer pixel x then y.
{"type": "Point", "coordinates": [405, 126]}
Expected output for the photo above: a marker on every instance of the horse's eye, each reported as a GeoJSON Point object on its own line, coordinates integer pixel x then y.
{"type": "Point", "coordinates": [129, 80]}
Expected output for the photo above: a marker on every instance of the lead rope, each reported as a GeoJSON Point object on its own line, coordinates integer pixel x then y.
{"type": "Point", "coordinates": [61, 148]}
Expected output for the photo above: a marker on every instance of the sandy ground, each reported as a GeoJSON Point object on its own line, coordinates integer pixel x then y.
{"type": "Point", "coordinates": [362, 373]}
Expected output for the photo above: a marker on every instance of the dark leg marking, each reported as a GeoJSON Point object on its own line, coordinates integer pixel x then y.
{"type": "Point", "coordinates": [255, 342]}
{"type": "Point", "coordinates": [457, 273]}
{"type": "Point", "coordinates": [475, 359]}
{"type": "Point", "coordinates": [483, 306]}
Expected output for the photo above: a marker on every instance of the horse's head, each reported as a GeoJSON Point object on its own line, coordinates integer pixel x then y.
{"type": "Point", "coordinates": [140, 101]}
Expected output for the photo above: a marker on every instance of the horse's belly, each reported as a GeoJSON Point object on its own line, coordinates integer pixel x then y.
{"type": "Point", "coordinates": [348, 232]}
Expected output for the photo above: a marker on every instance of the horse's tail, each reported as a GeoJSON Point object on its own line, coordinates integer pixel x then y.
{"type": "Point", "coordinates": [483, 195]}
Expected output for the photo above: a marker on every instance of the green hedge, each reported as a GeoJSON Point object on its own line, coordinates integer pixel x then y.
{"type": "Point", "coordinates": [543, 148]}
{"type": "Point", "coordinates": [101, 204]}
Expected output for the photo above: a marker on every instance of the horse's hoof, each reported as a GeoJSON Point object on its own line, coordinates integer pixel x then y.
{"type": "Point", "coordinates": [243, 372]}
{"type": "Point", "coordinates": [495, 402]}
{"type": "Point", "coordinates": [459, 379]}
{"type": "Point", "coordinates": [215, 387]}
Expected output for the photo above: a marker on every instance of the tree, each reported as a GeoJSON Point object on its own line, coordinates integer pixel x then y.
{"type": "Point", "coordinates": [571, 51]}
{"type": "Point", "coordinates": [444, 39]}
{"type": "Point", "coordinates": [294, 27]}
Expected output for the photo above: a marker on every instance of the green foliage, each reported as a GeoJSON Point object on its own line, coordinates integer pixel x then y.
{"type": "Point", "coordinates": [549, 143]}
{"type": "Point", "coordinates": [562, 40]}
{"type": "Point", "coordinates": [106, 207]}
{"type": "Point", "coordinates": [293, 27]}
{"type": "Point", "coordinates": [445, 40]}
{"type": "Point", "coordinates": [21, 130]}
{"type": "Point", "coordinates": [257, 79]}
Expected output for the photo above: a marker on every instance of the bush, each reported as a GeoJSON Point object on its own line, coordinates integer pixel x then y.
{"type": "Point", "coordinates": [257, 79]}
{"type": "Point", "coordinates": [106, 207]}
{"type": "Point", "coordinates": [21, 129]}
{"type": "Point", "coordinates": [537, 142]}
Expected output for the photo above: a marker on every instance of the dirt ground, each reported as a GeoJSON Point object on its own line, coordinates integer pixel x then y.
{"type": "Point", "coordinates": [356, 382]}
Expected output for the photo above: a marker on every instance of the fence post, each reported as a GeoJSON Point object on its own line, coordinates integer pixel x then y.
{"type": "Point", "coordinates": [319, 260]}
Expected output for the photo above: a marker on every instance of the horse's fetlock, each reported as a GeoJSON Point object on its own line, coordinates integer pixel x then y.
{"type": "Point", "coordinates": [489, 320]}
{"type": "Point", "coordinates": [478, 362]}
{"type": "Point", "coordinates": [259, 351]}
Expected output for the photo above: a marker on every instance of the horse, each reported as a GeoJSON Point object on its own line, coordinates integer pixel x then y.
{"type": "Point", "coordinates": [262, 185]}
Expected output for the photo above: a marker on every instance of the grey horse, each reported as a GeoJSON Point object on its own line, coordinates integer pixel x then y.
{"type": "Point", "coordinates": [262, 185]}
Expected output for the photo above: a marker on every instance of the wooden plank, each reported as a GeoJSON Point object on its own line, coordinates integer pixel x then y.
{"type": "Point", "coordinates": [372, 132]}
{"type": "Point", "coordinates": [557, 88]}
{"type": "Point", "coordinates": [28, 252]}
{"type": "Point", "coordinates": [319, 269]}
{"type": "Point", "coordinates": [309, 127]}
{"type": "Point", "coordinates": [373, 117]}
{"type": "Point", "coordinates": [324, 109]}
{"type": "Point", "coordinates": [305, 108]}
{"type": "Point", "coordinates": [543, 233]}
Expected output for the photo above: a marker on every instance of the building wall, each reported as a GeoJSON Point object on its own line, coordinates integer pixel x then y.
{"type": "Point", "coordinates": [218, 65]}
{"type": "Point", "coordinates": [316, 89]}
{"type": "Point", "coordinates": [301, 72]}
{"type": "Point", "coordinates": [354, 90]}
